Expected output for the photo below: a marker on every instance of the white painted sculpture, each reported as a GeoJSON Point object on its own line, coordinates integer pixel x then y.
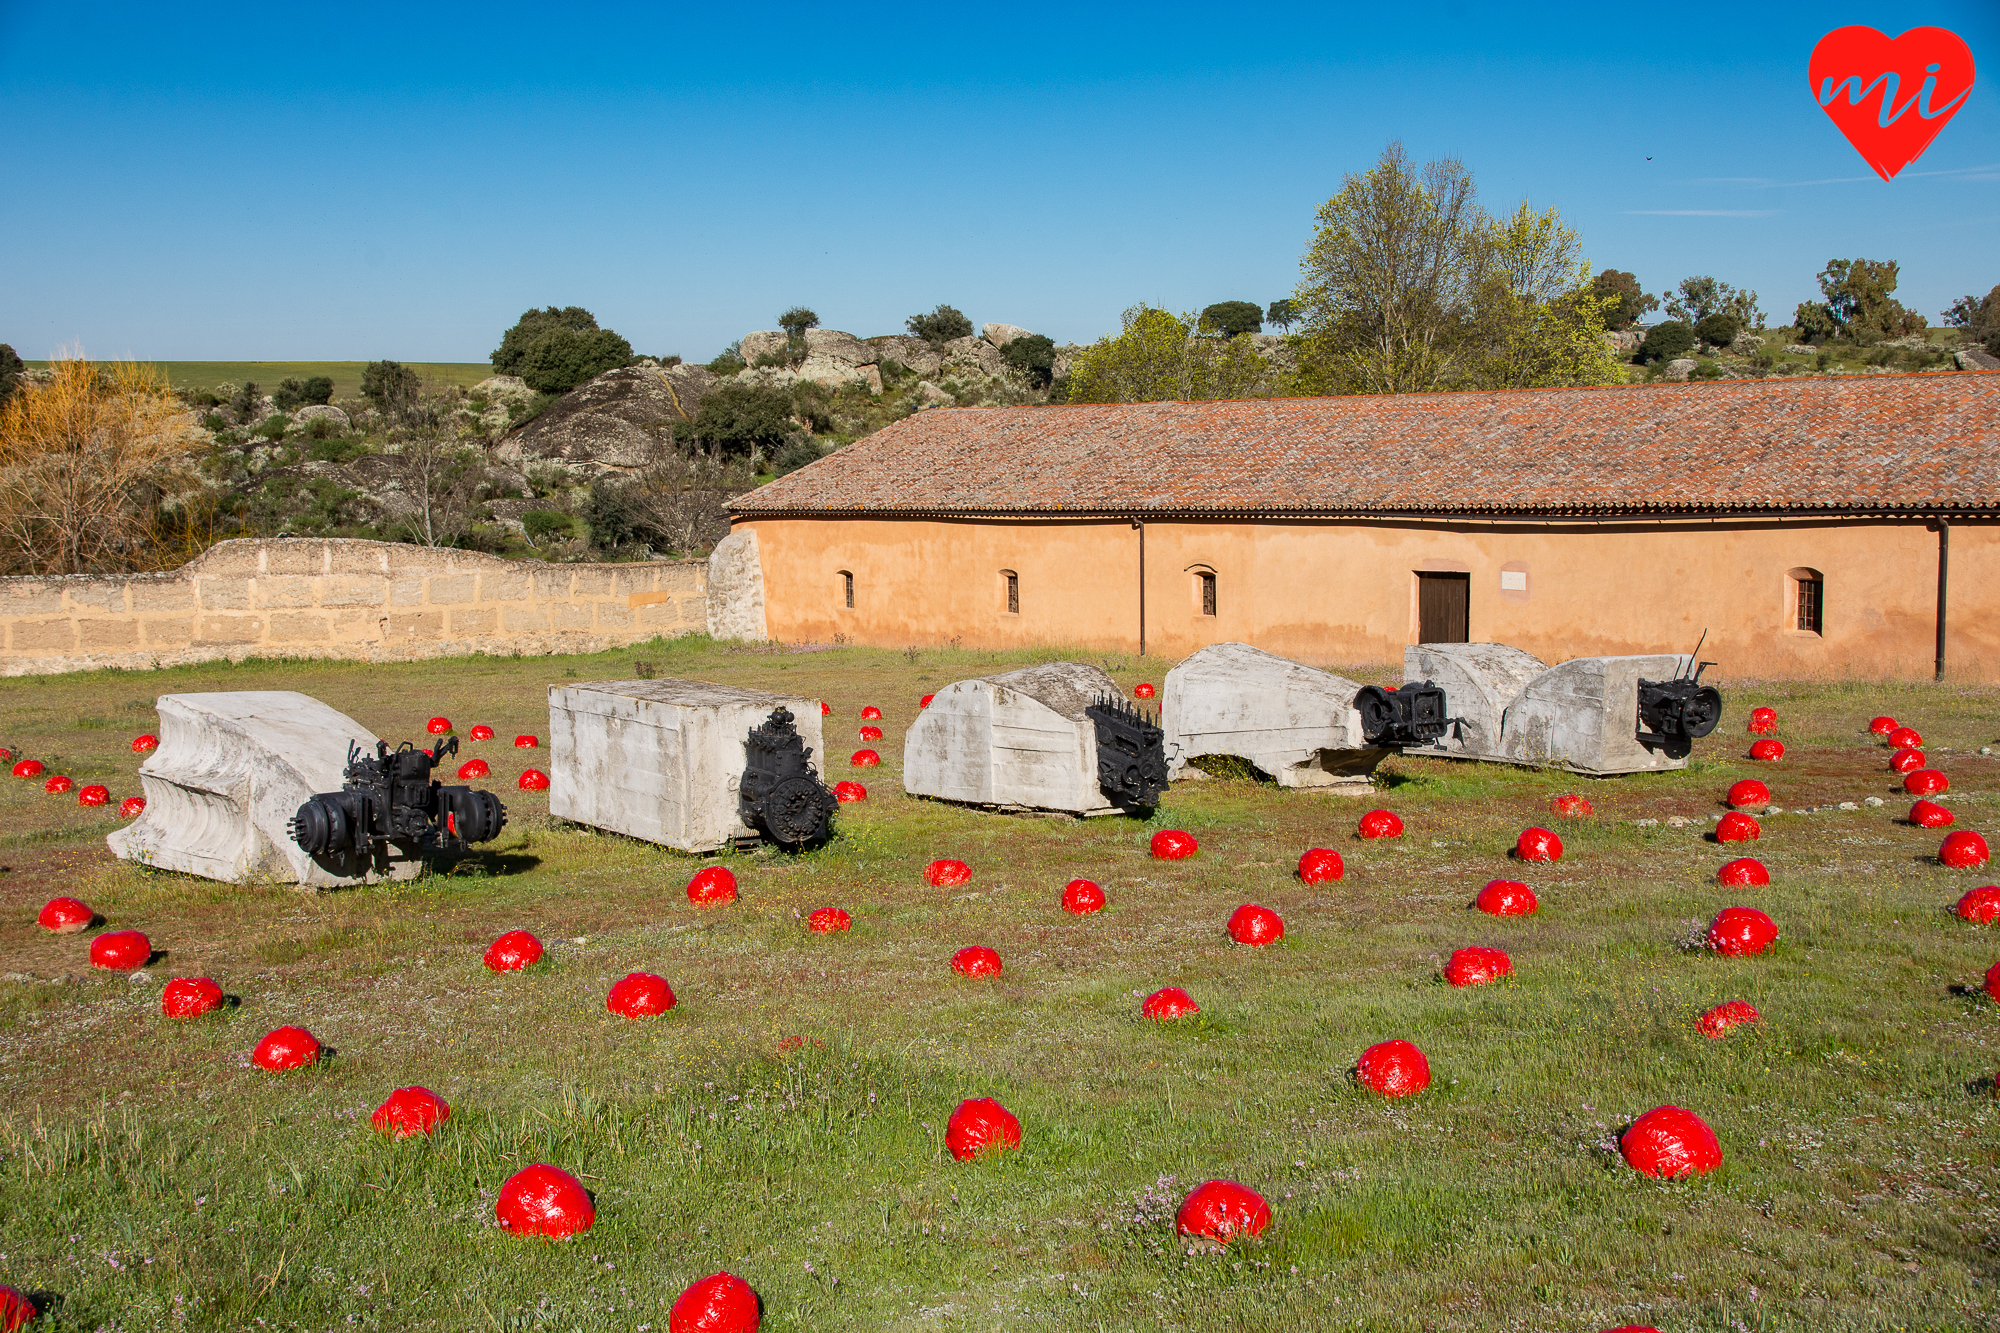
{"type": "Point", "coordinates": [1296, 723]}
{"type": "Point", "coordinates": [231, 771]}
{"type": "Point", "coordinates": [1020, 741]}
{"type": "Point", "coordinates": [662, 760]}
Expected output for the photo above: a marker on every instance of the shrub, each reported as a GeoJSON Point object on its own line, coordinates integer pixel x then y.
{"type": "Point", "coordinates": [740, 418]}
{"type": "Point", "coordinates": [1719, 329]}
{"type": "Point", "coordinates": [295, 393]}
{"type": "Point", "coordinates": [1230, 318]}
{"type": "Point", "coordinates": [245, 401]}
{"type": "Point", "coordinates": [1034, 355]}
{"type": "Point", "coordinates": [561, 359]}
{"type": "Point", "coordinates": [795, 455]}
{"type": "Point", "coordinates": [215, 421]}
{"type": "Point", "coordinates": [942, 325]}
{"type": "Point", "coordinates": [1629, 298]}
{"type": "Point", "coordinates": [1666, 340]}
{"type": "Point", "coordinates": [729, 362]}
{"type": "Point", "coordinates": [273, 427]}
{"type": "Point", "coordinates": [530, 327]}
{"type": "Point", "coordinates": [11, 366]}
{"type": "Point", "coordinates": [544, 523]}
{"type": "Point", "coordinates": [1283, 314]}
{"type": "Point", "coordinates": [1706, 370]}
{"type": "Point", "coordinates": [797, 320]}
{"type": "Point", "coordinates": [389, 385]}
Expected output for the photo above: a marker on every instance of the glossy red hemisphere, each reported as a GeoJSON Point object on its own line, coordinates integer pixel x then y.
{"type": "Point", "coordinates": [143, 744]}
{"type": "Point", "coordinates": [720, 1303]}
{"type": "Point", "coordinates": [1740, 932]}
{"type": "Point", "coordinates": [1321, 864]}
{"type": "Point", "coordinates": [408, 1112]}
{"type": "Point", "coordinates": [16, 1310]}
{"type": "Point", "coordinates": [848, 792]}
{"type": "Point", "coordinates": [1538, 844]}
{"type": "Point", "coordinates": [871, 713]}
{"type": "Point", "coordinates": [189, 997]}
{"type": "Point", "coordinates": [981, 1125]}
{"type": "Point", "coordinates": [65, 916]}
{"type": "Point", "coordinates": [120, 950]}
{"type": "Point", "coordinates": [827, 920]}
{"type": "Point", "coordinates": [59, 785]}
{"type": "Point", "coordinates": [1169, 1002]}
{"type": "Point", "coordinates": [1379, 824]}
{"type": "Point", "coordinates": [1929, 814]}
{"type": "Point", "coordinates": [943, 874]}
{"type": "Point", "coordinates": [1507, 897]}
{"type": "Point", "coordinates": [871, 733]}
{"type": "Point", "coordinates": [1669, 1142]}
{"type": "Point", "coordinates": [1926, 782]}
{"type": "Point", "coordinates": [1254, 925]}
{"type": "Point", "coordinates": [640, 995]}
{"type": "Point", "coordinates": [1394, 1069]}
{"type": "Point", "coordinates": [1906, 738]}
{"type": "Point", "coordinates": [1734, 827]}
{"type": "Point", "coordinates": [1734, 1014]}
{"type": "Point", "coordinates": [1744, 870]}
{"type": "Point", "coordinates": [513, 951]}
{"type": "Point", "coordinates": [482, 732]}
{"type": "Point", "coordinates": [714, 886]}
{"type": "Point", "coordinates": [1907, 761]}
{"type": "Point", "coordinates": [1221, 1210]}
{"type": "Point", "coordinates": [286, 1048]}
{"type": "Point", "coordinates": [527, 743]}
{"type": "Point", "coordinates": [864, 759]}
{"type": "Point", "coordinates": [29, 768]}
{"type": "Point", "coordinates": [1571, 806]}
{"type": "Point", "coordinates": [1748, 792]}
{"type": "Point", "coordinates": [1981, 905]}
{"type": "Point", "coordinates": [533, 779]}
{"type": "Point", "coordinates": [438, 726]}
{"type": "Point", "coordinates": [1476, 965]}
{"type": "Point", "coordinates": [1144, 689]}
{"type": "Point", "coordinates": [1993, 981]}
{"type": "Point", "coordinates": [976, 960]}
{"type": "Point", "coordinates": [1081, 897]}
{"type": "Point", "coordinates": [474, 768]}
{"type": "Point", "coordinates": [1764, 721]}
{"type": "Point", "coordinates": [1768, 751]}
{"type": "Point", "coordinates": [132, 807]}
{"type": "Point", "coordinates": [925, 702]}
{"type": "Point", "coordinates": [1173, 844]}
{"type": "Point", "coordinates": [1882, 726]}
{"type": "Point", "coordinates": [825, 709]}
{"type": "Point", "coordinates": [1964, 850]}
{"type": "Point", "coordinates": [543, 1200]}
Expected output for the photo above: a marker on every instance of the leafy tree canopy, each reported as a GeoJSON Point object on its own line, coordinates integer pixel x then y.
{"type": "Point", "coordinates": [1230, 318]}
{"type": "Point", "coordinates": [1719, 329]}
{"type": "Point", "coordinates": [739, 418]}
{"type": "Point", "coordinates": [1157, 358]}
{"type": "Point", "coordinates": [797, 320]}
{"type": "Point", "coordinates": [389, 385]}
{"type": "Point", "coordinates": [1860, 304]}
{"type": "Point", "coordinates": [1629, 299]}
{"type": "Point", "coordinates": [11, 366]}
{"type": "Point", "coordinates": [1666, 340]}
{"type": "Point", "coordinates": [1979, 317]}
{"type": "Point", "coordinates": [514, 344]}
{"type": "Point", "coordinates": [303, 393]}
{"type": "Point", "coordinates": [941, 325]}
{"type": "Point", "coordinates": [560, 360]}
{"type": "Point", "coordinates": [1283, 313]}
{"type": "Point", "coordinates": [1034, 355]}
{"type": "Point", "coordinates": [1698, 298]}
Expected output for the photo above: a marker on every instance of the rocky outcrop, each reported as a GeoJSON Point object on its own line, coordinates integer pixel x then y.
{"type": "Point", "coordinates": [1679, 368]}
{"type": "Point", "coordinates": [319, 412]}
{"type": "Point", "coordinates": [915, 353]}
{"type": "Point", "coordinates": [974, 355]}
{"type": "Point", "coordinates": [1002, 334]}
{"type": "Point", "coordinates": [613, 423]}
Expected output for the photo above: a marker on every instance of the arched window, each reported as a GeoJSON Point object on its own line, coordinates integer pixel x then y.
{"type": "Point", "coordinates": [1010, 592]}
{"type": "Point", "coordinates": [1806, 609]}
{"type": "Point", "coordinates": [1203, 589]}
{"type": "Point", "coordinates": [847, 589]}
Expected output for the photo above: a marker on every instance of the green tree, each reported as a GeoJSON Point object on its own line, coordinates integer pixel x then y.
{"type": "Point", "coordinates": [11, 367]}
{"type": "Point", "coordinates": [534, 324]}
{"type": "Point", "coordinates": [1719, 329]}
{"type": "Point", "coordinates": [1034, 355]}
{"type": "Point", "coordinates": [1283, 313]}
{"type": "Point", "coordinates": [940, 326]}
{"type": "Point", "coordinates": [390, 385]}
{"type": "Point", "coordinates": [303, 393]}
{"type": "Point", "coordinates": [1538, 322]}
{"type": "Point", "coordinates": [558, 361]}
{"type": "Point", "coordinates": [1629, 299]}
{"type": "Point", "coordinates": [737, 419]}
{"type": "Point", "coordinates": [1159, 358]}
{"type": "Point", "coordinates": [1860, 303]}
{"type": "Point", "coordinates": [1977, 317]}
{"type": "Point", "coordinates": [1230, 318]}
{"type": "Point", "coordinates": [1666, 340]}
{"type": "Point", "coordinates": [1698, 298]}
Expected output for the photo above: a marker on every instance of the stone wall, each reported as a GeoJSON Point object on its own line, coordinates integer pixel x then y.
{"type": "Point", "coordinates": [375, 601]}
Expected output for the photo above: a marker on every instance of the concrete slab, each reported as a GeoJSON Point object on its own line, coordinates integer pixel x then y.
{"type": "Point", "coordinates": [1296, 723]}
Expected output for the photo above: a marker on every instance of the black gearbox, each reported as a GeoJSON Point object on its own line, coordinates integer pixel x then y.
{"type": "Point", "coordinates": [1131, 754]}
{"type": "Point", "coordinates": [1411, 715]}
{"type": "Point", "coordinates": [393, 798]}
{"type": "Point", "coordinates": [781, 792]}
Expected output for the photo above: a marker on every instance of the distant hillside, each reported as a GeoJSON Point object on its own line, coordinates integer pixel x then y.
{"type": "Point", "coordinates": [346, 375]}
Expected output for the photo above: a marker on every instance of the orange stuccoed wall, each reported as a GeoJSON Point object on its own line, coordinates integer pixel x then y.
{"type": "Point", "coordinates": [1344, 592]}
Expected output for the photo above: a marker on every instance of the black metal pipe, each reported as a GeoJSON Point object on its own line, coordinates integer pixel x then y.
{"type": "Point", "coordinates": [1142, 585]}
{"type": "Point", "coordinates": [1944, 572]}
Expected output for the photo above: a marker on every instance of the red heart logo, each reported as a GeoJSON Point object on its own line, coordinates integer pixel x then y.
{"type": "Point", "coordinates": [1890, 95]}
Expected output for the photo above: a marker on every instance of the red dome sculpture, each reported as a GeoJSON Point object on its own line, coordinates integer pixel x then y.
{"type": "Point", "coordinates": [533, 779]}
{"type": "Point", "coordinates": [1743, 872]}
{"type": "Point", "coordinates": [1507, 897]}
{"type": "Point", "coordinates": [981, 1125]}
{"type": "Point", "coordinates": [482, 732]}
{"type": "Point", "coordinates": [1763, 721]}
{"type": "Point", "coordinates": [849, 792]}
{"type": "Point", "coordinates": [513, 951]}
{"type": "Point", "coordinates": [1741, 932]}
{"type": "Point", "coordinates": [1144, 690]}
{"type": "Point", "coordinates": [1906, 738]}
{"type": "Point", "coordinates": [1538, 844]}
{"type": "Point", "coordinates": [1734, 827]}
{"type": "Point", "coordinates": [29, 768]}
{"type": "Point", "coordinates": [1981, 905]}
{"type": "Point", "coordinates": [1172, 844]}
{"type": "Point", "coordinates": [189, 997]}
{"type": "Point", "coordinates": [1321, 864]}
{"type": "Point", "coordinates": [945, 874]}
{"type": "Point", "coordinates": [408, 1112]}
{"type": "Point", "coordinates": [1717, 1021]}
{"type": "Point", "coordinates": [438, 726]}
{"type": "Point", "coordinates": [474, 768]}
{"type": "Point", "coordinates": [286, 1048]}
{"type": "Point", "coordinates": [1254, 925]}
{"type": "Point", "coordinates": [1907, 761]}
{"type": "Point", "coordinates": [1476, 966]}
{"type": "Point", "coordinates": [544, 1200]}
{"type": "Point", "coordinates": [1169, 1002]}
{"type": "Point", "coordinates": [59, 785]}
{"type": "Point", "coordinates": [714, 886]}
{"type": "Point", "coordinates": [828, 920]}
{"type": "Point", "coordinates": [1221, 1210]}
{"type": "Point", "coordinates": [1767, 751]}
{"type": "Point", "coordinates": [1929, 814]}
{"type": "Point", "coordinates": [145, 744]}
{"type": "Point", "coordinates": [721, 1303]}
{"type": "Point", "coordinates": [864, 759]}
{"type": "Point", "coordinates": [925, 702]}
{"type": "Point", "coordinates": [1882, 726]}
{"type": "Point", "coordinates": [976, 961]}
{"type": "Point", "coordinates": [825, 710]}
{"type": "Point", "coordinates": [16, 1310]}
{"type": "Point", "coordinates": [65, 916]}
{"type": "Point", "coordinates": [1080, 897]}
{"type": "Point", "coordinates": [1748, 792]}
{"type": "Point", "coordinates": [871, 733]}
{"type": "Point", "coordinates": [871, 713]}
{"type": "Point", "coordinates": [527, 743]}
{"type": "Point", "coordinates": [1394, 1069]}
{"type": "Point", "coordinates": [120, 951]}
{"type": "Point", "coordinates": [1964, 850]}
{"type": "Point", "coordinates": [1993, 988]}
{"type": "Point", "coordinates": [1379, 824]}
{"type": "Point", "coordinates": [132, 807]}
{"type": "Point", "coordinates": [1668, 1142]}
{"type": "Point", "coordinates": [1926, 782]}
{"type": "Point", "coordinates": [640, 995]}
{"type": "Point", "coordinates": [1571, 806]}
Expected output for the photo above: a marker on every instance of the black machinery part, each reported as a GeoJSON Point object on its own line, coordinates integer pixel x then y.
{"type": "Point", "coordinates": [781, 793]}
{"type": "Point", "coordinates": [1412, 715]}
{"type": "Point", "coordinates": [1131, 754]}
{"type": "Point", "coordinates": [391, 797]}
{"type": "Point", "coordinates": [1674, 714]}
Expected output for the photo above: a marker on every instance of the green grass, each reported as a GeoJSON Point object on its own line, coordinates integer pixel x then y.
{"type": "Point", "coordinates": [346, 375]}
{"type": "Point", "coordinates": [150, 1178]}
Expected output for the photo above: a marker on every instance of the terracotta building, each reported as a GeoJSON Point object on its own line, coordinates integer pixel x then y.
{"type": "Point", "coordinates": [1827, 526]}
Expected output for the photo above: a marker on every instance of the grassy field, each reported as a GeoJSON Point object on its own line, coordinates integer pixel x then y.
{"type": "Point", "coordinates": [346, 375]}
{"type": "Point", "coordinates": [785, 1121]}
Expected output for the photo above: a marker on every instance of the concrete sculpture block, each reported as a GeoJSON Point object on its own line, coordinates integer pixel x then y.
{"type": "Point", "coordinates": [1017, 741]}
{"type": "Point", "coordinates": [1294, 722]}
{"type": "Point", "coordinates": [231, 771]}
{"type": "Point", "coordinates": [661, 760]}
{"type": "Point", "coordinates": [1582, 715]}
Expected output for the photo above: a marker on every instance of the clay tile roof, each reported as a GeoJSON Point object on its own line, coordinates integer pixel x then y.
{"type": "Point", "coordinates": [1879, 442]}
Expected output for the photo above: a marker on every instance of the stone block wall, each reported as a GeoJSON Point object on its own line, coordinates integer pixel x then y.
{"type": "Point", "coordinates": [374, 601]}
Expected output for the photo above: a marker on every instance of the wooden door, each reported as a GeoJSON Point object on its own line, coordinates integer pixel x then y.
{"type": "Point", "coordinates": [1444, 608]}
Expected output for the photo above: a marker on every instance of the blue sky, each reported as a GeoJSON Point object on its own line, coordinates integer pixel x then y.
{"type": "Point", "coordinates": [357, 182]}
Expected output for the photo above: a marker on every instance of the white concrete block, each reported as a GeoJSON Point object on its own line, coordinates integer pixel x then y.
{"type": "Point", "coordinates": [1020, 740]}
{"type": "Point", "coordinates": [661, 760]}
{"type": "Point", "coordinates": [1294, 722]}
{"type": "Point", "coordinates": [1479, 681]}
{"type": "Point", "coordinates": [231, 771]}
